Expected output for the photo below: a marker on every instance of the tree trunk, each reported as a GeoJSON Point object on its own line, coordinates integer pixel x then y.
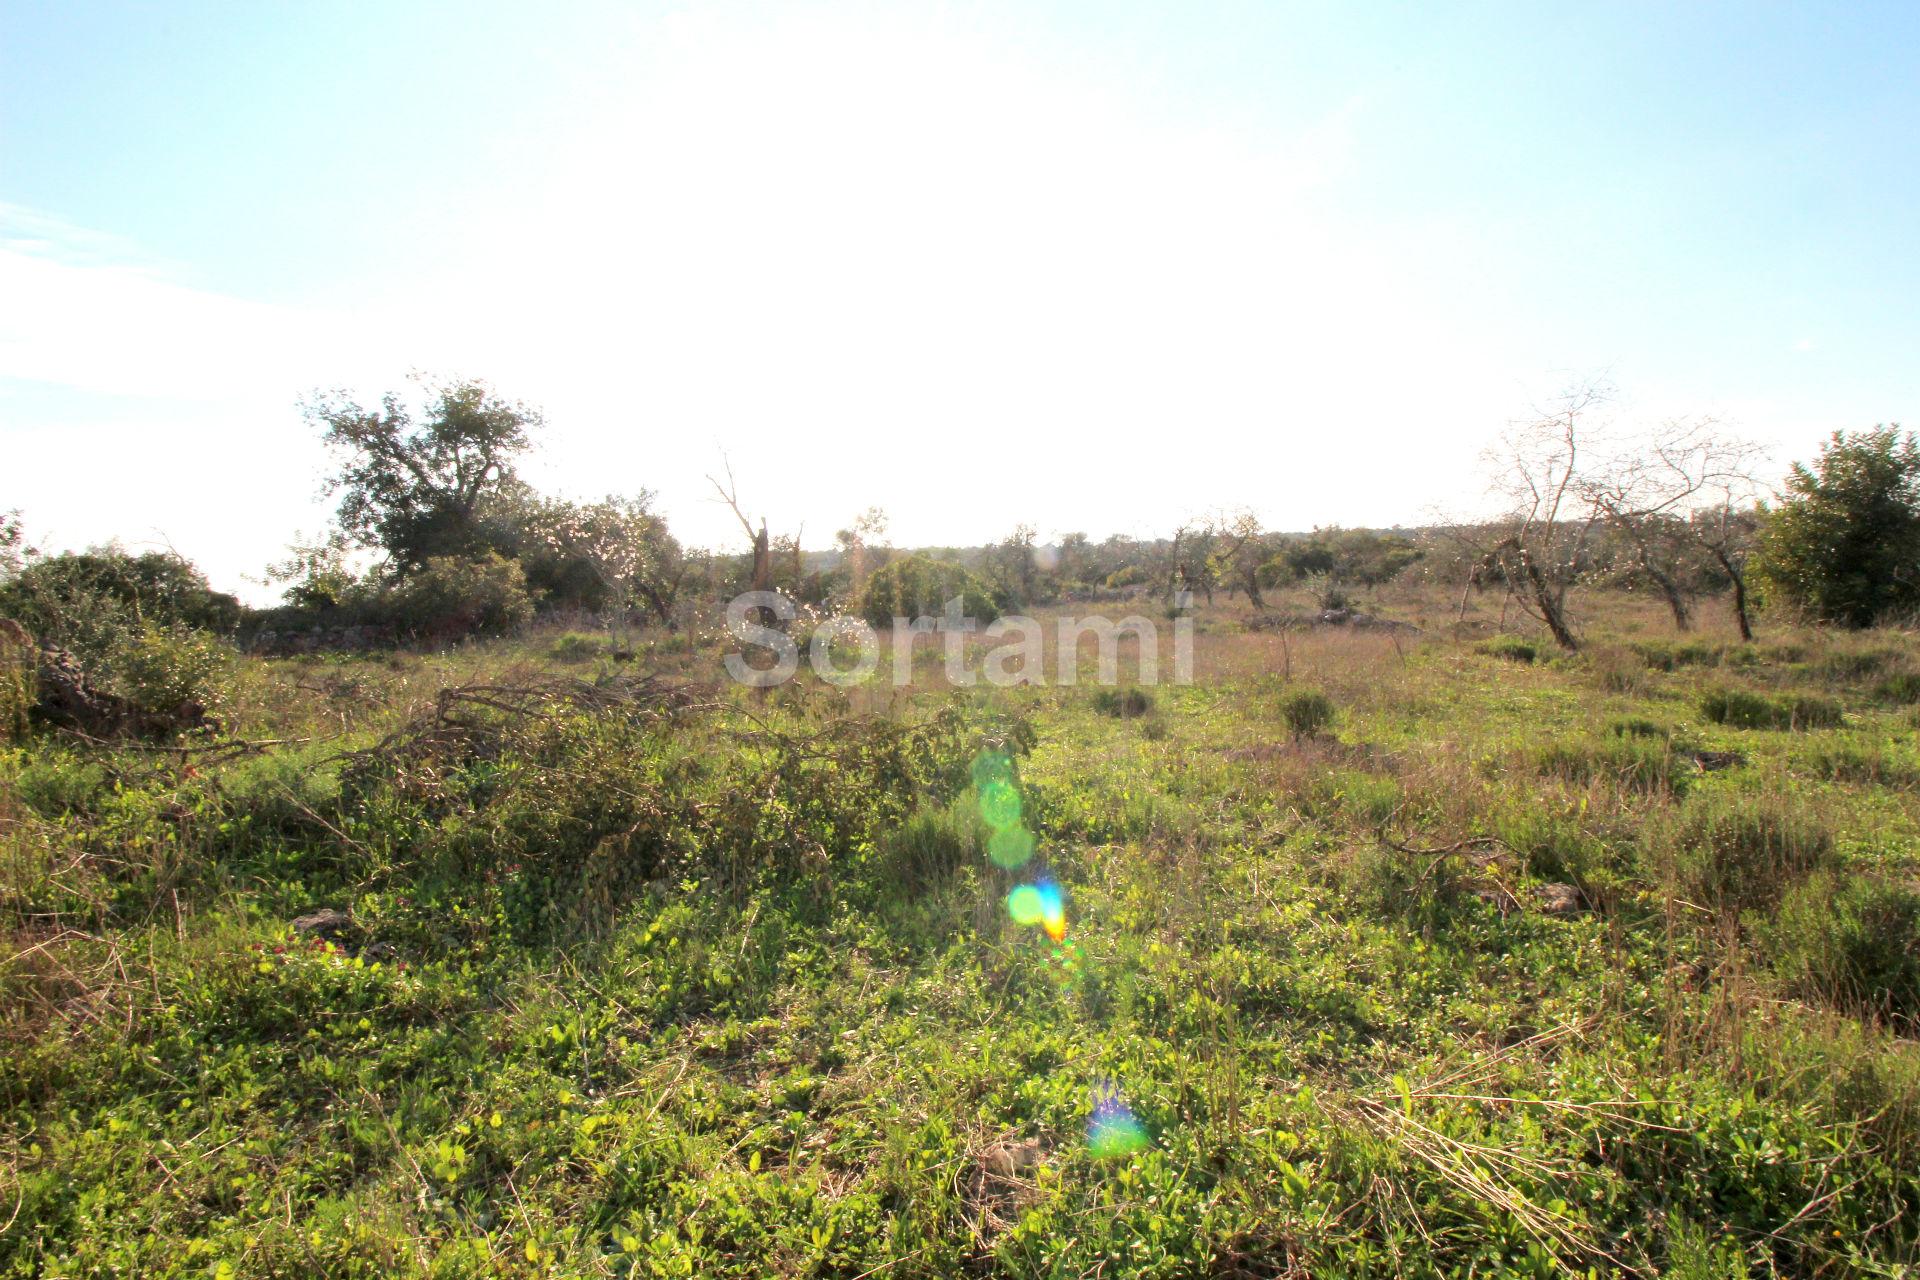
{"type": "Point", "coordinates": [1551, 611]}
{"type": "Point", "coordinates": [1739, 580]}
{"type": "Point", "coordinates": [1676, 599]}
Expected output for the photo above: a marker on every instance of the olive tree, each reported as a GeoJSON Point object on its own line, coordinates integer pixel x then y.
{"type": "Point", "coordinates": [412, 478]}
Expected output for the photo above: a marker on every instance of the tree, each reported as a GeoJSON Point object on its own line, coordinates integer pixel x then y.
{"type": "Point", "coordinates": [1542, 546]}
{"type": "Point", "coordinates": [1651, 494]}
{"type": "Point", "coordinates": [1013, 564]}
{"type": "Point", "coordinates": [1844, 542]}
{"type": "Point", "coordinates": [1239, 550]}
{"type": "Point", "coordinates": [413, 487]}
{"type": "Point", "coordinates": [762, 568]}
{"type": "Point", "coordinates": [1343, 557]}
{"type": "Point", "coordinates": [318, 575]}
{"type": "Point", "coordinates": [859, 543]}
{"type": "Point", "coordinates": [627, 549]}
{"type": "Point", "coordinates": [14, 551]}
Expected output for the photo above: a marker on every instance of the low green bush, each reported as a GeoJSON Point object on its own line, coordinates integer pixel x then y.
{"type": "Point", "coordinates": [1124, 704]}
{"type": "Point", "coordinates": [1901, 688]}
{"type": "Point", "coordinates": [575, 646]}
{"type": "Point", "coordinates": [1860, 664]}
{"type": "Point", "coordinates": [1852, 941]}
{"type": "Point", "coordinates": [1737, 849]}
{"type": "Point", "coordinates": [1512, 648]}
{"type": "Point", "coordinates": [16, 687]}
{"type": "Point", "coordinates": [1637, 763]}
{"type": "Point", "coordinates": [1307, 712]}
{"type": "Point", "coordinates": [160, 670]}
{"type": "Point", "coordinates": [1744, 709]}
{"type": "Point", "coordinates": [1860, 763]}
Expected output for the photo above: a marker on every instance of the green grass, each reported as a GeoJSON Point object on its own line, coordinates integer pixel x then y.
{"type": "Point", "coordinates": [728, 985]}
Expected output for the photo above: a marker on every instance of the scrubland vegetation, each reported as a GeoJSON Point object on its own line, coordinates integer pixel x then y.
{"type": "Point", "coordinates": [1413, 937]}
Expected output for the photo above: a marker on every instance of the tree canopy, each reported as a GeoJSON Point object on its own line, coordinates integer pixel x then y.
{"type": "Point", "coordinates": [1844, 542]}
{"type": "Point", "coordinates": [411, 484]}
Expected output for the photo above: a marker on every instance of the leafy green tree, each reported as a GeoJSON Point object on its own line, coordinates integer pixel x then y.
{"type": "Point", "coordinates": [919, 587]}
{"type": "Point", "coordinates": [14, 550]}
{"type": "Point", "coordinates": [413, 486]}
{"type": "Point", "coordinates": [1844, 542]}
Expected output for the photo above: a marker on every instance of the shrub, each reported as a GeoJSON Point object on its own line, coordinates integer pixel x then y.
{"type": "Point", "coordinates": [65, 600]}
{"type": "Point", "coordinates": [1126, 704]}
{"type": "Point", "coordinates": [1307, 712]}
{"type": "Point", "coordinates": [1853, 942]}
{"type": "Point", "coordinates": [574, 647]}
{"type": "Point", "coordinates": [1744, 709]}
{"type": "Point", "coordinates": [1633, 727]}
{"type": "Point", "coordinates": [1636, 763]}
{"type": "Point", "coordinates": [1127, 576]}
{"type": "Point", "coordinates": [1864, 763]}
{"type": "Point", "coordinates": [1902, 688]}
{"type": "Point", "coordinates": [16, 685]}
{"type": "Point", "coordinates": [1842, 542]}
{"type": "Point", "coordinates": [452, 598]}
{"type": "Point", "coordinates": [161, 670]}
{"type": "Point", "coordinates": [1740, 849]}
{"type": "Point", "coordinates": [1512, 648]}
{"type": "Point", "coordinates": [919, 587]}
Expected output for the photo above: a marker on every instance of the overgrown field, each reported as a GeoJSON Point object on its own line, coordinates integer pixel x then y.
{"type": "Point", "coordinates": [1483, 961]}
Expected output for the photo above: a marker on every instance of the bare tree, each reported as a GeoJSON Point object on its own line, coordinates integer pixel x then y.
{"type": "Point", "coordinates": [1542, 547]}
{"type": "Point", "coordinates": [1681, 490]}
{"type": "Point", "coordinates": [762, 557]}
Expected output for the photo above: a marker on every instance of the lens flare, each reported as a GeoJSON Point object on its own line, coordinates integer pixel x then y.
{"type": "Point", "coordinates": [1000, 805]}
{"type": "Point", "coordinates": [1113, 1130]}
{"type": "Point", "coordinates": [1039, 904]}
{"type": "Point", "coordinates": [1010, 847]}
{"type": "Point", "coordinates": [992, 766]}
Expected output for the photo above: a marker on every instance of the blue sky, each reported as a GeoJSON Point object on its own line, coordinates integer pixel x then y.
{"type": "Point", "coordinates": [1095, 266]}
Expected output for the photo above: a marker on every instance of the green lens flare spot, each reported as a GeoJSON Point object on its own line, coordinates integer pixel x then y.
{"type": "Point", "coordinates": [1026, 905]}
{"type": "Point", "coordinates": [1000, 805]}
{"type": "Point", "coordinates": [990, 767]}
{"type": "Point", "coordinates": [1010, 847]}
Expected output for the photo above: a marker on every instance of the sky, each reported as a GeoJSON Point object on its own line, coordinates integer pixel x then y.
{"type": "Point", "coordinates": [1093, 266]}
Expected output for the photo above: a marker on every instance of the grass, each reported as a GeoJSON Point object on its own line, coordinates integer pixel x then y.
{"type": "Point", "coordinates": [707, 983]}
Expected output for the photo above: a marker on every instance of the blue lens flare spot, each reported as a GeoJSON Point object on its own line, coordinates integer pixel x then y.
{"type": "Point", "coordinates": [1113, 1130]}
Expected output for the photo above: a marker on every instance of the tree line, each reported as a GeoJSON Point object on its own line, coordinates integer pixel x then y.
{"type": "Point", "coordinates": [436, 536]}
